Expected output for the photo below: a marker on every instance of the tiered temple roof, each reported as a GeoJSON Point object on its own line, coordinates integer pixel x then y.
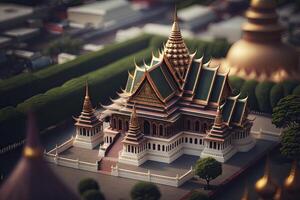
{"type": "Point", "coordinates": [87, 117]}
{"type": "Point", "coordinates": [158, 91]}
{"type": "Point", "coordinates": [219, 130]}
{"type": "Point", "coordinates": [134, 134]}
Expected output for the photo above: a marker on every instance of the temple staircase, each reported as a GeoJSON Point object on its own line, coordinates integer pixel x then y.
{"type": "Point", "coordinates": [111, 157]}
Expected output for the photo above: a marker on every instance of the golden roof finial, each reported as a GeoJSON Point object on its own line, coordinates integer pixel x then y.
{"type": "Point", "coordinates": [87, 105]}
{"type": "Point", "coordinates": [265, 187]}
{"type": "Point", "coordinates": [292, 182]}
{"type": "Point", "coordinates": [218, 119]}
{"type": "Point", "coordinates": [245, 195]}
{"type": "Point", "coordinates": [133, 118]}
{"type": "Point", "coordinates": [33, 148]}
{"type": "Point", "coordinates": [175, 17]}
{"type": "Point", "coordinates": [86, 89]}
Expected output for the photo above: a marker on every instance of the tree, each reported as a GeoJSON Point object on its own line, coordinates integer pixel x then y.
{"type": "Point", "coordinates": [198, 196]}
{"type": "Point", "coordinates": [291, 142]}
{"type": "Point", "coordinates": [93, 195]}
{"type": "Point", "coordinates": [287, 115]}
{"type": "Point", "coordinates": [87, 184]}
{"type": "Point", "coordinates": [287, 112]}
{"type": "Point", "coordinates": [208, 169]}
{"type": "Point", "coordinates": [145, 191]}
{"type": "Point", "coordinates": [276, 93]}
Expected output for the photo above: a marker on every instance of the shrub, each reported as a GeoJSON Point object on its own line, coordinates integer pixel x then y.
{"type": "Point", "coordinates": [145, 191]}
{"type": "Point", "coordinates": [87, 184]}
{"type": "Point", "coordinates": [288, 86]}
{"type": "Point", "coordinates": [262, 93]}
{"type": "Point", "coordinates": [248, 89]}
{"type": "Point", "coordinates": [296, 91]}
{"type": "Point", "coordinates": [23, 86]}
{"type": "Point", "coordinates": [236, 83]}
{"type": "Point", "coordinates": [93, 195]}
{"type": "Point", "coordinates": [276, 93]}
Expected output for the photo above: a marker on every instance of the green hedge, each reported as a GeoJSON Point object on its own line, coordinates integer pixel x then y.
{"type": "Point", "coordinates": [23, 86]}
{"type": "Point", "coordinates": [217, 48]}
{"type": "Point", "coordinates": [62, 102]}
{"type": "Point", "coordinates": [248, 89]}
{"type": "Point", "coordinates": [276, 93]}
{"type": "Point", "coordinates": [262, 92]}
{"type": "Point", "coordinates": [12, 125]}
{"type": "Point", "coordinates": [236, 84]}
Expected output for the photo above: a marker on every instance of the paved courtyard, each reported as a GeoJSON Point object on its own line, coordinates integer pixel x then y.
{"type": "Point", "coordinates": [236, 165]}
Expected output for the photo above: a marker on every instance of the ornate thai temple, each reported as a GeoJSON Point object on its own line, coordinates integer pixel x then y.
{"type": "Point", "coordinates": [176, 105]}
{"type": "Point", "coordinates": [260, 54]}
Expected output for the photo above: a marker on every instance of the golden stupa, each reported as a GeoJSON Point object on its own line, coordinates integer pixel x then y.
{"type": "Point", "coordinates": [260, 54]}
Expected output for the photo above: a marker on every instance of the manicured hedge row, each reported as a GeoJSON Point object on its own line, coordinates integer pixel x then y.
{"type": "Point", "coordinates": [62, 102]}
{"type": "Point", "coordinates": [23, 86]}
{"type": "Point", "coordinates": [217, 48]}
{"type": "Point", "coordinates": [263, 96]}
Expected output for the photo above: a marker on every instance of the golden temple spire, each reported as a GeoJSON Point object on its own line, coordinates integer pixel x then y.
{"type": "Point", "coordinates": [87, 105]}
{"type": "Point", "coordinates": [292, 182]}
{"type": "Point", "coordinates": [133, 119]}
{"type": "Point", "coordinates": [218, 119]}
{"type": "Point", "coordinates": [245, 195]}
{"type": "Point", "coordinates": [265, 187]}
{"type": "Point", "coordinates": [176, 51]}
{"type": "Point", "coordinates": [33, 148]}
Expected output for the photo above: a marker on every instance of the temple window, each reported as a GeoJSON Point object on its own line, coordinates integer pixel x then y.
{"type": "Point", "coordinates": [204, 127]}
{"type": "Point", "coordinates": [158, 147]}
{"type": "Point", "coordinates": [154, 129]}
{"type": "Point", "coordinates": [218, 146]}
{"type": "Point", "coordinates": [114, 123]}
{"type": "Point", "coordinates": [163, 147]}
{"type": "Point", "coordinates": [161, 130]}
{"type": "Point", "coordinates": [210, 145]}
{"type": "Point", "coordinates": [110, 139]}
{"type": "Point", "coordinates": [186, 140]}
{"type": "Point", "coordinates": [84, 132]}
{"type": "Point", "coordinates": [191, 140]}
{"type": "Point", "coordinates": [153, 146]}
{"type": "Point", "coordinates": [196, 141]}
{"type": "Point", "coordinates": [120, 124]}
{"type": "Point", "coordinates": [149, 146]}
{"type": "Point", "coordinates": [197, 126]}
{"type": "Point", "coordinates": [200, 141]}
{"type": "Point", "coordinates": [126, 125]}
{"type": "Point", "coordinates": [146, 128]}
{"type": "Point", "coordinates": [189, 124]}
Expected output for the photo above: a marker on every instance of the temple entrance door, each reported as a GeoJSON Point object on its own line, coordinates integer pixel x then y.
{"type": "Point", "coordinates": [146, 128]}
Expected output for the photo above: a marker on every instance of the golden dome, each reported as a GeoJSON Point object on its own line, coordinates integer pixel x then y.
{"type": "Point", "coordinates": [262, 59]}
{"type": "Point", "coordinates": [260, 53]}
{"type": "Point", "coordinates": [265, 187]}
